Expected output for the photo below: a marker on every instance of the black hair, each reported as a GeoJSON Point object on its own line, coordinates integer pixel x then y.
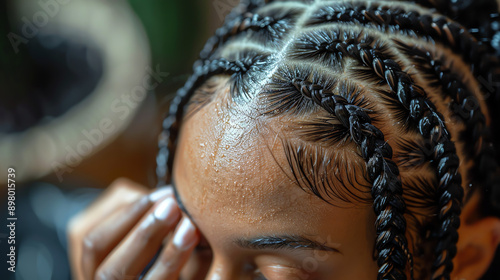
{"type": "Point", "coordinates": [424, 66]}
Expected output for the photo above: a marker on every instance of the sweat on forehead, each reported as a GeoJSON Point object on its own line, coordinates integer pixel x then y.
{"type": "Point", "coordinates": [237, 161]}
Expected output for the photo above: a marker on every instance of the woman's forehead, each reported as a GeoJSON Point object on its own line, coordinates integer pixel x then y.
{"type": "Point", "coordinates": [228, 170]}
{"type": "Point", "coordinates": [225, 156]}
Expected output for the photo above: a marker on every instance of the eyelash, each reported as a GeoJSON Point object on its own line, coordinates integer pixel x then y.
{"type": "Point", "coordinates": [205, 248]}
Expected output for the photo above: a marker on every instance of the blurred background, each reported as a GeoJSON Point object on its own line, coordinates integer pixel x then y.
{"type": "Point", "coordinates": [84, 85]}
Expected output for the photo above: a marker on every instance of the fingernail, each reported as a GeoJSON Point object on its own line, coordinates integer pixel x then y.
{"type": "Point", "coordinates": [167, 211]}
{"type": "Point", "coordinates": [185, 235]}
{"type": "Point", "coordinates": [160, 193]}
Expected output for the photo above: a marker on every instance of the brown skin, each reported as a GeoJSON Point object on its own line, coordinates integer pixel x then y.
{"type": "Point", "coordinates": [233, 179]}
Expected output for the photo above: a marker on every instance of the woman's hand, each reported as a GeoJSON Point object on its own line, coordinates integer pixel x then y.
{"type": "Point", "coordinates": [119, 234]}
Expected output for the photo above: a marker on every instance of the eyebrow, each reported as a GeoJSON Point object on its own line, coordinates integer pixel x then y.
{"type": "Point", "coordinates": [283, 242]}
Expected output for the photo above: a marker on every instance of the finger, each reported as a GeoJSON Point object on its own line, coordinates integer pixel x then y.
{"type": "Point", "coordinates": [132, 255]}
{"type": "Point", "coordinates": [121, 192]}
{"type": "Point", "coordinates": [108, 234]}
{"type": "Point", "coordinates": [171, 260]}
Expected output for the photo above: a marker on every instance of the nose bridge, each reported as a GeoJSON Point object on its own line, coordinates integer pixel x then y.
{"type": "Point", "coordinates": [224, 271]}
{"type": "Point", "coordinates": [218, 271]}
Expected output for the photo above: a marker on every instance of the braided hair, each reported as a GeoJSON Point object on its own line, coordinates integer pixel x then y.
{"type": "Point", "coordinates": [346, 62]}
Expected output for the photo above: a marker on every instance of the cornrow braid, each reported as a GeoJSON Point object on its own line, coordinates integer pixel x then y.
{"type": "Point", "coordinates": [475, 45]}
{"type": "Point", "coordinates": [437, 28]}
{"type": "Point", "coordinates": [430, 126]}
{"type": "Point", "coordinates": [482, 20]}
{"type": "Point", "coordinates": [466, 108]}
{"type": "Point", "coordinates": [480, 17]}
{"type": "Point", "coordinates": [244, 6]}
{"type": "Point", "coordinates": [464, 104]}
{"type": "Point", "coordinates": [387, 190]}
{"type": "Point", "coordinates": [245, 22]}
